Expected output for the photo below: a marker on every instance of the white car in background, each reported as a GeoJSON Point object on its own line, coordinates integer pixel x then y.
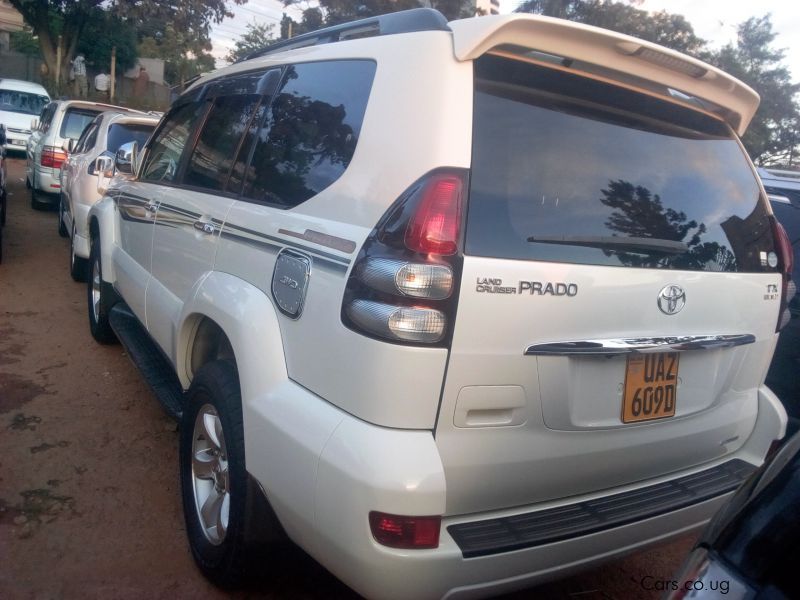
{"type": "Point", "coordinates": [49, 145]}
{"type": "Point", "coordinates": [86, 174]}
{"type": "Point", "coordinates": [20, 103]}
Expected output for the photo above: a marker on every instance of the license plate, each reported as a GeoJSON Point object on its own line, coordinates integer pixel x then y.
{"type": "Point", "coordinates": [651, 385]}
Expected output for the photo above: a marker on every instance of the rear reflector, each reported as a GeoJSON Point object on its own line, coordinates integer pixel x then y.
{"type": "Point", "coordinates": [398, 531]}
{"type": "Point", "coordinates": [434, 228]}
{"type": "Point", "coordinates": [405, 323]}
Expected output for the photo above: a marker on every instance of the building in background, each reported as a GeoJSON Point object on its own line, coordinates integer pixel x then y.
{"type": "Point", "coordinates": [10, 20]}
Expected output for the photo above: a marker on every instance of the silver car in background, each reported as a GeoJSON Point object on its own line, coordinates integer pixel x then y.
{"type": "Point", "coordinates": [87, 171]}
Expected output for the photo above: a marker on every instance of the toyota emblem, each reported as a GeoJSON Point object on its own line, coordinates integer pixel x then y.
{"type": "Point", "coordinates": [671, 299]}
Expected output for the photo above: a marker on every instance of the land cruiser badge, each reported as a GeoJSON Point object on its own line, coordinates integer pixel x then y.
{"type": "Point", "coordinates": [289, 282]}
{"type": "Point", "coordinates": [494, 285]}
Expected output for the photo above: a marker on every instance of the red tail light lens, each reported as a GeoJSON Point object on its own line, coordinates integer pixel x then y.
{"type": "Point", "coordinates": [52, 157]}
{"type": "Point", "coordinates": [434, 227]}
{"type": "Point", "coordinates": [398, 531]}
{"type": "Point", "coordinates": [783, 247]}
{"type": "Point", "coordinates": [403, 287]}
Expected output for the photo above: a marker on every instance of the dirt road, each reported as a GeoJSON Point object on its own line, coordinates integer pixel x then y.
{"type": "Point", "coordinates": [89, 498]}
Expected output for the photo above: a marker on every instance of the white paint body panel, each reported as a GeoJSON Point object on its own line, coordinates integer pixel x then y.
{"type": "Point", "coordinates": [338, 424]}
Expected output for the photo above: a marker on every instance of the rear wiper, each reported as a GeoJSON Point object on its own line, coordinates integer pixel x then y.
{"type": "Point", "coordinates": [631, 244]}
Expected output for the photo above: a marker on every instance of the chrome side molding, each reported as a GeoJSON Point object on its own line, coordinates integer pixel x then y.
{"type": "Point", "coordinates": [639, 345]}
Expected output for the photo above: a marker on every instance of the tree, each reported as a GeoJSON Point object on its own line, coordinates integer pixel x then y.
{"type": "Point", "coordinates": [68, 19]}
{"type": "Point", "coordinates": [257, 36]}
{"type": "Point", "coordinates": [772, 137]}
{"type": "Point", "coordinates": [103, 32]}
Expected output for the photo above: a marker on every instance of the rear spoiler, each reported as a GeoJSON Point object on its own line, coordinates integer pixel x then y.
{"type": "Point", "coordinates": [616, 57]}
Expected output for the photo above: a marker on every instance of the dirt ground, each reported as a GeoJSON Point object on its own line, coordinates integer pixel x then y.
{"type": "Point", "coordinates": [89, 493]}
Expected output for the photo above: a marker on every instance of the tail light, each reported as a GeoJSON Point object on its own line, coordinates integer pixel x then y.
{"type": "Point", "coordinates": [404, 285]}
{"type": "Point", "coordinates": [52, 157]}
{"type": "Point", "coordinates": [398, 531]}
{"type": "Point", "coordinates": [783, 247]}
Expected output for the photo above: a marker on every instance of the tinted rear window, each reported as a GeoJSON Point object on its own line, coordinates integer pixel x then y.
{"type": "Point", "coordinates": [567, 169]}
{"type": "Point", "coordinates": [75, 121]}
{"type": "Point", "coordinates": [119, 134]}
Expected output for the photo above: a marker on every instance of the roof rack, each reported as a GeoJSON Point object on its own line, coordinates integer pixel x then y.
{"type": "Point", "coordinates": [406, 21]}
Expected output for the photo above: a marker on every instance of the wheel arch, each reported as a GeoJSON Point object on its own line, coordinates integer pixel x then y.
{"type": "Point", "coordinates": [228, 317]}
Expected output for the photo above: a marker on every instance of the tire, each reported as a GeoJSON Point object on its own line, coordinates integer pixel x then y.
{"type": "Point", "coordinates": [77, 264]}
{"type": "Point", "coordinates": [62, 229]}
{"type": "Point", "coordinates": [214, 397]}
{"type": "Point", "coordinates": [36, 204]}
{"type": "Point", "coordinates": [98, 301]}
{"type": "Point", "coordinates": [3, 208]}
{"type": "Point", "coordinates": [1, 244]}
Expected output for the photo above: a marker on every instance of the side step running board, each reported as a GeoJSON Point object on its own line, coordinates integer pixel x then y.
{"type": "Point", "coordinates": [155, 368]}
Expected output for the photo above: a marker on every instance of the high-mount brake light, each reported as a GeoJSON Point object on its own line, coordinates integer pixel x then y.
{"type": "Point", "coordinates": [404, 284]}
{"type": "Point", "coordinates": [434, 228]}
{"type": "Point", "coordinates": [398, 531]}
{"type": "Point", "coordinates": [783, 248]}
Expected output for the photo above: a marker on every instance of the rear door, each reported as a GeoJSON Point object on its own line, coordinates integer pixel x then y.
{"type": "Point", "coordinates": [617, 308]}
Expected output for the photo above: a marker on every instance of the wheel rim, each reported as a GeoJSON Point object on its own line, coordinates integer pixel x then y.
{"type": "Point", "coordinates": [210, 480]}
{"type": "Point", "coordinates": [96, 290]}
{"type": "Point", "coordinates": [72, 249]}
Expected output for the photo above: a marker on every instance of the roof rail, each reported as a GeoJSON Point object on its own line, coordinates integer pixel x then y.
{"type": "Point", "coordinates": [406, 21]}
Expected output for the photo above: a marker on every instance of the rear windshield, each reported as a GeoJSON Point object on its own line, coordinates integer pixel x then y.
{"type": "Point", "coordinates": [75, 121]}
{"type": "Point", "coordinates": [567, 169]}
{"type": "Point", "coordinates": [119, 134]}
{"type": "Point", "coordinates": [22, 102]}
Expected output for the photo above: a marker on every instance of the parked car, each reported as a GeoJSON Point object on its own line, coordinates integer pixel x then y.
{"type": "Point", "coordinates": [464, 305]}
{"type": "Point", "coordinates": [86, 173]}
{"type": "Point", "coordinates": [2, 186]}
{"type": "Point", "coordinates": [783, 188]}
{"type": "Point", "coordinates": [750, 548]}
{"type": "Point", "coordinates": [62, 122]}
{"type": "Point", "coordinates": [20, 103]}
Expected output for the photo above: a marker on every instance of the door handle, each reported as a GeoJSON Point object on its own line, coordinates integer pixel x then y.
{"type": "Point", "coordinates": [205, 227]}
{"type": "Point", "coordinates": [151, 207]}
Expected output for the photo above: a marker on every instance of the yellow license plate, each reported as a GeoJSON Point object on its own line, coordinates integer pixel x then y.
{"type": "Point", "coordinates": [651, 386]}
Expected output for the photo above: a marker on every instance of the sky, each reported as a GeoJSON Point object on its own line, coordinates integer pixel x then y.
{"type": "Point", "coordinates": [713, 20]}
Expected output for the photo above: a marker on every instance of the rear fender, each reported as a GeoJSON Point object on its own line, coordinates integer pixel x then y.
{"type": "Point", "coordinates": [248, 319]}
{"type": "Point", "coordinates": [103, 213]}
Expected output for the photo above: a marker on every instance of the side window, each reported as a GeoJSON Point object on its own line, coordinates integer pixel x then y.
{"type": "Point", "coordinates": [164, 151]}
{"type": "Point", "coordinates": [87, 139]}
{"type": "Point", "coordinates": [218, 142]}
{"type": "Point", "coordinates": [47, 117]}
{"type": "Point", "coordinates": [310, 133]}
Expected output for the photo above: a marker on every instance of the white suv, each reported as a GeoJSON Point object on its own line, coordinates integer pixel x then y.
{"type": "Point", "coordinates": [464, 305]}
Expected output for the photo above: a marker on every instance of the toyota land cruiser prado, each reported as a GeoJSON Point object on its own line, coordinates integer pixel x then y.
{"type": "Point", "coordinates": [459, 307]}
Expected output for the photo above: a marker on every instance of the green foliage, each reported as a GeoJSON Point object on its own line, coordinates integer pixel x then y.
{"type": "Point", "coordinates": [102, 32]}
{"type": "Point", "coordinates": [257, 36]}
{"type": "Point", "coordinates": [773, 135]}
{"type": "Point", "coordinates": [24, 42]}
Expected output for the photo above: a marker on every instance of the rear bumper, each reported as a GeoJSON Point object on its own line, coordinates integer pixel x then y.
{"type": "Point", "coordinates": [48, 180]}
{"type": "Point", "coordinates": [334, 469]}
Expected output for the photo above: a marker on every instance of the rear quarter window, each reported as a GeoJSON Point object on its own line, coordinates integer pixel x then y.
{"type": "Point", "coordinates": [567, 169]}
{"type": "Point", "coordinates": [75, 120]}
{"type": "Point", "coordinates": [310, 132]}
{"type": "Point", "coordinates": [119, 134]}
